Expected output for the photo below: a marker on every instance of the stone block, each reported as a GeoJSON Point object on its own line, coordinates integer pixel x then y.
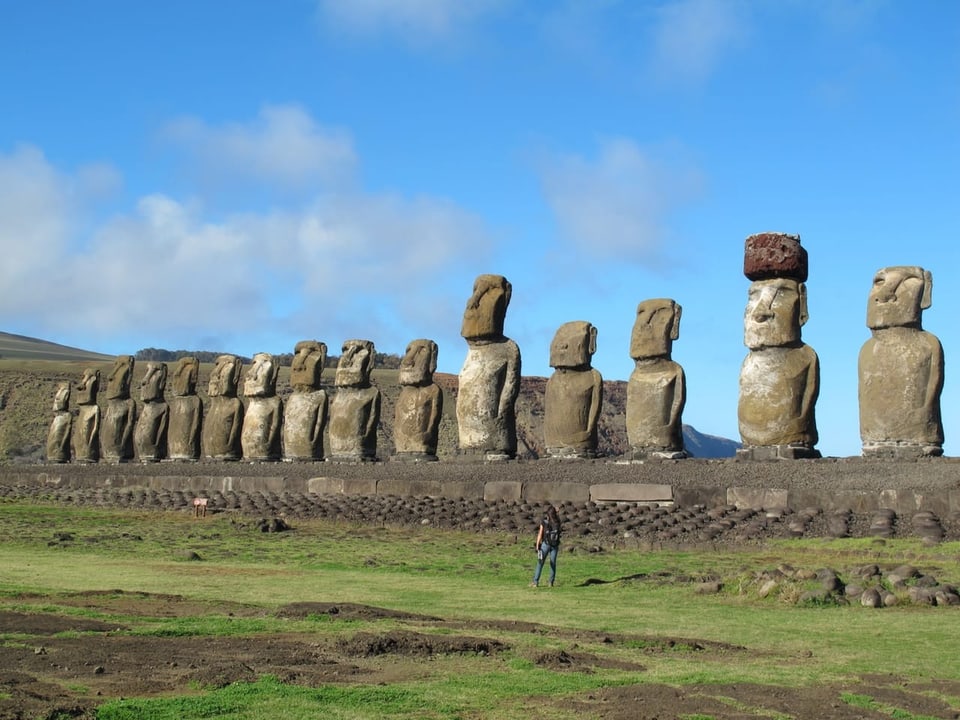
{"type": "Point", "coordinates": [556, 492]}
{"type": "Point", "coordinates": [744, 497]}
{"type": "Point", "coordinates": [502, 490]}
{"type": "Point", "coordinates": [631, 492]}
{"type": "Point", "coordinates": [411, 488]}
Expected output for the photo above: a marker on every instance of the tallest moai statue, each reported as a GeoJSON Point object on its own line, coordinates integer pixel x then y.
{"type": "Point", "coordinates": [780, 377]}
{"type": "Point", "coordinates": [490, 378]}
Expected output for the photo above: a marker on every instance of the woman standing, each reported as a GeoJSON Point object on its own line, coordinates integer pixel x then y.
{"type": "Point", "coordinates": [547, 545]}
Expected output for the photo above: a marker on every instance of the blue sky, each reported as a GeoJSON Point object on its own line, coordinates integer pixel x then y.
{"type": "Point", "coordinates": [239, 176]}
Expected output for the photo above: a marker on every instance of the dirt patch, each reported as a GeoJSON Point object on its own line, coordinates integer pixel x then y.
{"type": "Point", "coordinates": [47, 624]}
{"type": "Point", "coordinates": [347, 611]}
{"type": "Point", "coordinates": [416, 645]}
{"type": "Point", "coordinates": [562, 660]}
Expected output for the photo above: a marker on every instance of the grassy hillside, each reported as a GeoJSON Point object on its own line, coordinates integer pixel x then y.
{"type": "Point", "coordinates": [27, 348]}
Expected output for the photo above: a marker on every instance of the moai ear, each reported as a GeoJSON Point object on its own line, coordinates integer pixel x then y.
{"type": "Point", "coordinates": [675, 330]}
{"type": "Point", "coordinates": [927, 298]}
{"type": "Point", "coordinates": [804, 315]}
{"type": "Point", "coordinates": [237, 370]}
{"type": "Point", "coordinates": [274, 372]}
{"type": "Point", "coordinates": [163, 375]}
{"type": "Point", "coordinates": [434, 351]}
{"type": "Point", "coordinates": [592, 345]}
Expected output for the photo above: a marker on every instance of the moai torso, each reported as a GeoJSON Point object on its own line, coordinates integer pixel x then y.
{"type": "Point", "coordinates": [184, 412]}
{"type": "Point", "coordinates": [305, 411]}
{"type": "Point", "coordinates": [419, 405]}
{"type": "Point", "coordinates": [355, 407]}
{"type": "Point", "coordinates": [574, 394]}
{"type": "Point", "coordinates": [263, 417]}
{"type": "Point", "coordinates": [120, 414]}
{"type": "Point", "coordinates": [58, 435]}
{"type": "Point", "coordinates": [85, 434]}
{"type": "Point", "coordinates": [656, 390]}
{"type": "Point", "coordinates": [223, 418]}
{"type": "Point", "coordinates": [780, 377]}
{"type": "Point", "coordinates": [490, 378]}
{"type": "Point", "coordinates": [900, 369]}
{"type": "Point", "coordinates": [150, 435]}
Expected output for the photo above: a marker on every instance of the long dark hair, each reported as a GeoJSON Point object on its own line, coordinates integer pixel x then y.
{"type": "Point", "coordinates": [552, 517]}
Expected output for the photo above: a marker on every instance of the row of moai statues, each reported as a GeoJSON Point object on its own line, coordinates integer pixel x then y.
{"type": "Point", "coordinates": [900, 372]}
{"type": "Point", "coordinates": [265, 427]}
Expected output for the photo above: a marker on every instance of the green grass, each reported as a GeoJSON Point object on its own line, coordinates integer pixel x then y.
{"type": "Point", "coordinates": [460, 576]}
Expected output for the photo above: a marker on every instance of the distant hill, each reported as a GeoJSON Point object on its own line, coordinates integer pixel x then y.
{"type": "Point", "coordinates": [27, 348]}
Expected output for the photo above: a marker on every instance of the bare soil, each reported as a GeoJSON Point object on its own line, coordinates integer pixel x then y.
{"type": "Point", "coordinates": [46, 674]}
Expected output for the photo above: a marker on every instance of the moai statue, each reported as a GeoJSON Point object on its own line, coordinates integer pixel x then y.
{"type": "Point", "coordinates": [780, 376]}
{"type": "Point", "coordinates": [305, 411]}
{"type": "Point", "coordinates": [58, 436]}
{"type": "Point", "coordinates": [657, 389]}
{"type": "Point", "coordinates": [574, 393]}
{"type": "Point", "coordinates": [419, 405]}
{"type": "Point", "coordinates": [260, 438]}
{"type": "Point", "coordinates": [355, 408]}
{"type": "Point", "coordinates": [120, 415]}
{"type": "Point", "coordinates": [223, 419]}
{"type": "Point", "coordinates": [185, 416]}
{"type": "Point", "coordinates": [901, 369]}
{"type": "Point", "coordinates": [150, 435]}
{"type": "Point", "coordinates": [85, 435]}
{"type": "Point", "coordinates": [490, 377]}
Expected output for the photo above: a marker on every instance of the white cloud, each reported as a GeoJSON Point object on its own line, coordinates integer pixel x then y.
{"type": "Point", "coordinates": [413, 20]}
{"type": "Point", "coordinates": [616, 207]}
{"type": "Point", "coordinates": [282, 145]}
{"type": "Point", "coordinates": [691, 37]}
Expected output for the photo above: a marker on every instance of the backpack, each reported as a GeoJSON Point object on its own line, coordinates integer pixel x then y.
{"type": "Point", "coordinates": [551, 533]}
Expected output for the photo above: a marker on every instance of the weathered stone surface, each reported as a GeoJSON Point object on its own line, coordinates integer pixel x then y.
{"type": "Point", "coordinates": [305, 411]}
{"type": "Point", "coordinates": [355, 408]}
{"type": "Point", "coordinates": [574, 393]}
{"type": "Point", "coordinates": [774, 255]}
{"type": "Point", "coordinates": [185, 412]}
{"type": "Point", "coordinates": [58, 435]}
{"type": "Point", "coordinates": [223, 418]}
{"type": "Point", "coordinates": [260, 439]}
{"type": "Point", "coordinates": [780, 376]}
{"type": "Point", "coordinates": [419, 405]}
{"type": "Point", "coordinates": [150, 434]}
{"type": "Point", "coordinates": [120, 414]}
{"type": "Point", "coordinates": [490, 377]}
{"type": "Point", "coordinates": [901, 369]}
{"type": "Point", "coordinates": [656, 391]}
{"type": "Point", "coordinates": [85, 434]}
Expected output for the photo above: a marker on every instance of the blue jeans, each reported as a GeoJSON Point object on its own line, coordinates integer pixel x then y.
{"type": "Point", "coordinates": [546, 551]}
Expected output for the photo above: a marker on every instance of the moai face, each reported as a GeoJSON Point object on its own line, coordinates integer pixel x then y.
{"type": "Point", "coordinates": [261, 380]}
{"type": "Point", "coordinates": [225, 376]}
{"type": "Point", "coordinates": [487, 308]}
{"type": "Point", "coordinates": [185, 376]}
{"type": "Point", "coordinates": [356, 363]}
{"type": "Point", "coordinates": [118, 382]}
{"type": "Point", "coordinates": [419, 363]}
{"type": "Point", "coordinates": [61, 400]}
{"type": "Point", "coordinates": [573, 346]}
{"type": "Point", "coordinates": [154, 382]}
{"type": "Point", "coordinates": [656, 327]}
{"type": "Point", "coordinates": [309, 357]}
{"type": "Point", "coordinates": [898, 297]}
{"type": "Point", "coordinates": [88, 387]}
{"type": "Point", "coordinates": [776, 310]}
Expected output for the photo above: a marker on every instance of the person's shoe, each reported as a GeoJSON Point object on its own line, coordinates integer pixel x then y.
{"type": "Point", "coordinates": [533, 584]}
{"type": "Point", "coordinates": [551, 583]}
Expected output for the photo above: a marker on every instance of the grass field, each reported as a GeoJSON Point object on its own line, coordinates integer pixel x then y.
{"type": "Point", "coordinates": [615, 620]}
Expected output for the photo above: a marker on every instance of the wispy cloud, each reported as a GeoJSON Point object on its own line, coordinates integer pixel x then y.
{"type": "Point", "coordinates": [414, 21]}
{"type": "Point", "coordinates": [283, 144]}
{"type": "Point", "coordinates": [692, 37]}
{"type": "Point", "coordinates": [616, 206]}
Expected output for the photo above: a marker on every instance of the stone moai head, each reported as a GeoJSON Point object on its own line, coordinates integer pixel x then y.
{"type": "Point", "coordinates": [898, 297]}
{"type": "Point", "coordinates": [573, 346]}
{"type": "Point", "coordinates": [225, 377]}
{"type": "Point", "coordinates": [89, 387]}
{"type": "Point", "coordinates": [261, 379]}
{"type": "Point", "coordinates": [356, 364]}
{"type": "Point", "coordinates": [487, 308]}
{"type": "Point", "coordinates": [309, 357]}
{"type": "Point", "coordinates": [61, 399]}
{"type": "Point", "coordinates": [185, 376]}
{"type": "Point", "coordinates": [118, 381]}
{"type": "Point", "coordinates": [154, 382]}
{"type": "Point", "coordinates": [656, 327]}
{"type": "Point", "coordinates": [777, 300]}
{"type": "Point", "coordinates": [419, 363]}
